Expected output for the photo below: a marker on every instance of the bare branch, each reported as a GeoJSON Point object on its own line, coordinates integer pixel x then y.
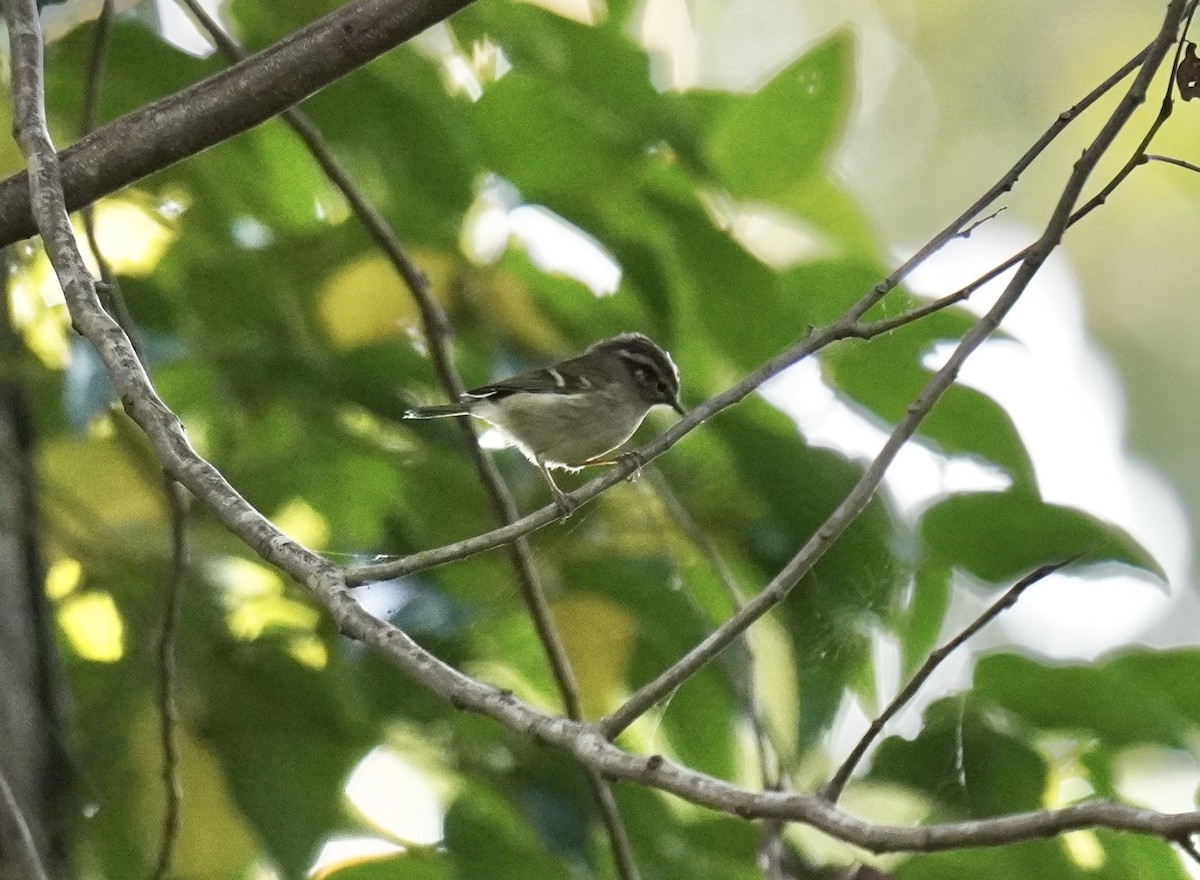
{"type": "Point", "coordinates": [967, 231]}
{"type": "Point", "coordinates": [833, 790]}
{"type": "Point", "coordinates": [1138, 157]}
{"type": "Point", "coordinates": [864, 489]}
{"type": "Point", "coordinates": [1003, 185]}
{"type": "Point", "coordinates": [1171, 160]}
{"type": "Point", "coordinates": [93, 72]}
{"type": "Point", "coordinates": [741, 680]}
{"type": "Point", "coordinates": [168, 709]}
{"type": "Point", "coordinates": [591, 746]}
{"type": "Point", "coordinates": [771, 853]}
{"type": "Point", "coordinates": [1186, 844]}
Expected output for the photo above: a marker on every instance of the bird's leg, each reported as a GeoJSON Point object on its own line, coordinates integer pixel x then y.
{"type": "Point", "coordinates": [564, 504]}
{"type": "Point", "coordinates": [630, 456]}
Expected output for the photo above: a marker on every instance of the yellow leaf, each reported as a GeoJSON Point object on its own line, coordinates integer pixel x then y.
{"type": "Point", "coordinates": [598, 637]}
{"type": "Point", "coordinates": [93, 627]}
{"type": "Point", "coordinates": [366, 301]}
{"type": "Point", "coordinates": [213, 840]}
{"type": "Point", "coordinates": [94, 482]}
{"type": "Point", "coordinates": [511, 305]}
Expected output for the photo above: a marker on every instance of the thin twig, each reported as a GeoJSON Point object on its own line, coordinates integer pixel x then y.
{"type": "Point", "coordinates": [168, 708]}
{"type": "Point", "coordinates": [1138, 157]}
{"type": "Point", "coordinates": [16, 840]}
{"type": "Point", "coordinates": [93, 70]}
{"type": "Point", "coordinates": [173, 493]}
{"type": "Point", "coordinates": [437, 330]}
{"type": "Point", "coordinates": [1186, 844]}
{"type": "Point", "coordinates": [771, 854]}
{"type": "Point", "coordinates": [1005, 184]}
{"type": "Point", "coordinates": [833, 790]}
{"type": "Point", "coordinates": [864, 489]}
{"type": "Point", "coordinates": [967, 232]}
{"type": "Point", "coordinates": [1171, 160]}
{"type": "Point", "coordinates": [741, 679]}
{"type": "Point", "coordinates": [92, 79]}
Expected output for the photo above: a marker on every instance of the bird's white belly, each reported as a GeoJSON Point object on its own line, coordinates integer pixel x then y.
{"type": "Point", "coordinates": [563, 430]}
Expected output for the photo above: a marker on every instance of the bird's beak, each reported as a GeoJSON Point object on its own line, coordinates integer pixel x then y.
{"type": "Point", "coordinates": [678, 407]}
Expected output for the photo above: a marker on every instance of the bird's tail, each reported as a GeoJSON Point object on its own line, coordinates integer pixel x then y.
{"type": "Point", "coordinates": [436, 412]}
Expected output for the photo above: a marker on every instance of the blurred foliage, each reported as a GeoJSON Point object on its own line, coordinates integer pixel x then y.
{"type": "Point", "coordinates": [289, 349]}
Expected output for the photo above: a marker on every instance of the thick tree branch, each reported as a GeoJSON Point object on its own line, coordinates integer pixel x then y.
{"type": "Point", "coordinates": [225, 104]}
{"type": "Point", "coordinates": [591, 747]}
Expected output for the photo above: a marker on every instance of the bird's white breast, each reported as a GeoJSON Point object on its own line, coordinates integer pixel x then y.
{"type": "Point", "coordinates": [564, 430]}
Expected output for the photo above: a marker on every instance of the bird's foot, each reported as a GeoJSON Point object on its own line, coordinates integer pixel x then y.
{"type": "Point", "coordinates": [634, 458]}
{"type": "Point", "coordinates": [566, 506]}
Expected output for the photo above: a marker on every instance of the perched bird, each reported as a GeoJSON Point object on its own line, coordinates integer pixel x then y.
{"type": "Point", "coordinates": [575, 412]}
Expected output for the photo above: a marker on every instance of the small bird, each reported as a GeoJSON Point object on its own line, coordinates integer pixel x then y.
{"type": "Point", "coordinates": [575, 412]}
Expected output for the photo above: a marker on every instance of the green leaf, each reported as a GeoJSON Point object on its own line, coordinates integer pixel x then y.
{"type": "Point", "coordinates": [538, 138]}
{"type": "Point", "coordinates": [132, 50]}
{"type": "Point", "coordinates": [285, 734]}
{"type": "Point", "coordinates": [919, 625]}
{"type": "Point", "coordinates": [730, 294]}
{"type": "Point", "coordinates": [999, 536]}
{"type": "Point", "coordinates": [667, 625]}
{"type": "Point", "coordinates": [600, 72]}
{"type": "Point", "coordinates": [486, 837]}
{"type": "Point", "coordinates": [968, 422]}
{"type": "Point", "coordinates": [966, 761]}
{"type": "Point", "coordinates": [1102, 855]}
{"type": "Point", "coordinates": [765, 145]}
{"type": "Point", "coordinates": [411, 865]}
{"type": "Point", "coordinates": [677, 846]}
{"type": "Point", "coordinates": [566, 304]}
{"type": "Point", "coordinates": [822, 290]}
{"type": "Point", "coordinates": [792, 488]}
{"type": "Point", "coordinates": [1141, 697]}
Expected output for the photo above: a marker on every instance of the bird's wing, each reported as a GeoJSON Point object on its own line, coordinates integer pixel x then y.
{"type": "Point", "coordinates": [548, 380]}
